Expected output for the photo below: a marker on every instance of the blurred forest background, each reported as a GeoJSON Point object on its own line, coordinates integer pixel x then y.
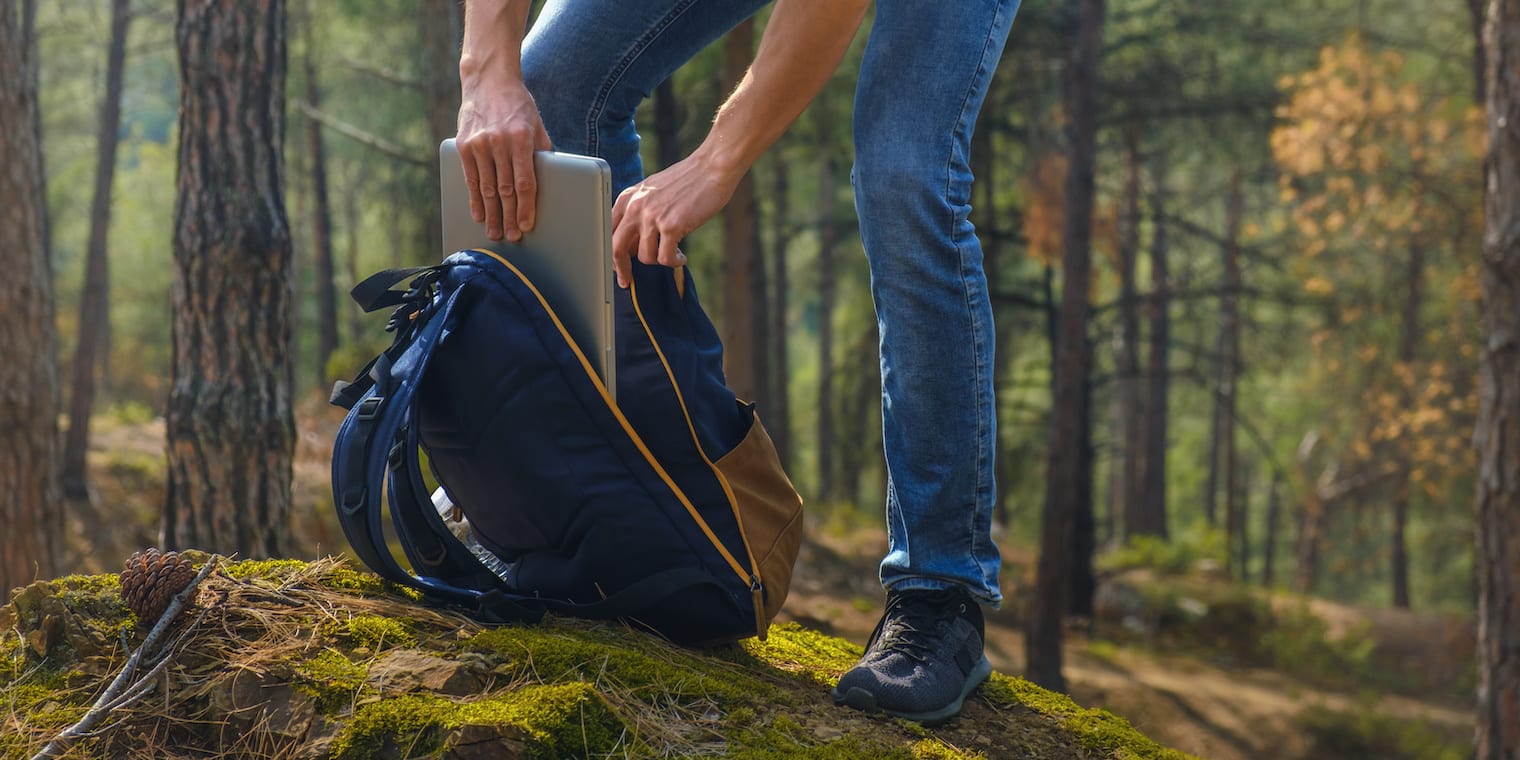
{"type": "Point", "coordinates": [1280, 297]}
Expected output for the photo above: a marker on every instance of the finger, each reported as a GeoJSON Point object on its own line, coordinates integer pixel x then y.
{"type": "Point", "coordinates": [649, 241]}
{"type": "Point", "coordinates": [472, 182]}
{"type": "Point", "coordinates": [488, 194]}
{"type": "Point", "coordinates": [621, 247]}
{"type": "Point", "coordinates": [506, 170]}
{"type": "Point", "coordinates": [620, 208]}
{"type": "Point", "coordinates": [670, 252]}
{"type": "Point", "coordinates": [525, 183]}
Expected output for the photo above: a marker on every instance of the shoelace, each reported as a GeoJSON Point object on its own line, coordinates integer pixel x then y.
{"type": "Point", "coordinates": [912, 624]}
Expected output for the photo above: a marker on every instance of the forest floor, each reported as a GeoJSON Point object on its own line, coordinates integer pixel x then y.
{"type": "Point", "coordinates": [1199, 704]}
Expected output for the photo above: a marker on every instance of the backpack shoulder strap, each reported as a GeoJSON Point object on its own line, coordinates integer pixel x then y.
{"type": "Point", "coordinates": [372, 442]}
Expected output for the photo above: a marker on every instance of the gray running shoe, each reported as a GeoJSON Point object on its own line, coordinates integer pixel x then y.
{"type": "Point", "coordinates": [923, 660]}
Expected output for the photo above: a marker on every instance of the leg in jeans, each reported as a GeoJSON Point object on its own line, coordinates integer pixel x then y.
{"type": "Point", "coordinates": [923, 80]}
{"type": "Point", "coordinates": [925, 74]}
{"type": "Point", "coordinates": [589, 63]}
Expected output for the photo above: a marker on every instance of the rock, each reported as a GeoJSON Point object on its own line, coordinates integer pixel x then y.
{"type": "Point", "coordinates": [484, 743]}
{"type": "Point", "coordinates": [248, 698]}
{"type": "Point", "coordinates": [415, 670]}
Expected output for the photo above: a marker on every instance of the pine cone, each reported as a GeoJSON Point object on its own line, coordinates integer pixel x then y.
{"type": "Point", "coordinates": [150, 580]}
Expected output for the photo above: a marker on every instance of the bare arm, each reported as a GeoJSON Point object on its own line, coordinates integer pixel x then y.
{"type": "Point", "coordinates": [499, 124]}
{"type": "Point", "coordinates": [802, 45]}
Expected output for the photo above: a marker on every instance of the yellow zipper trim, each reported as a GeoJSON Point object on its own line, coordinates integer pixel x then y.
{"type": "Point", "coordinates": [754, 580]}
{"type": "Point", "coordinates": [627, 427]}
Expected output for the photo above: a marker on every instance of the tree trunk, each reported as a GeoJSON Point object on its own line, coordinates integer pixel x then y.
{"type": "Point", "coordinates": [1150, 516]}
{"type": "Point", "coordinates": [1129, 456]}
{"type": "Point", "coordinates": [322, 253]}
{"type": "Point", "coordinates": [441, 27]}
{"type": "Point", "coordinates": [745, 319]}
{"type": "Point", "coordinates": [1243, 522]}
{"type": "Point", "coordinates": [828, 239]}
{"type": "Point", "coordinates": [667, 124]}
{"type": "Point", "coordinates": [1084, 539]}
{"type": "Point", "coordinates": [94, 300]}
{"type": "Point", "coordinates": [1229, 373]}
{"type": "Point", "coordinates": [1269, 545]}
{"type": "Point", "coordinates": [29, 496]}
{"type": "Point", "coordinates": [1408, 352]}
{"type": "Point", "coordinates": [1498, 433]}
{"type": "Point", "coordinates": [1064, 470]}
{"type": "Point", "coordinates": [231, 432]}
{"type": "Point", "coordinates": [1479, 58]}
{"type": "Point", "coordinates": [778, 422]}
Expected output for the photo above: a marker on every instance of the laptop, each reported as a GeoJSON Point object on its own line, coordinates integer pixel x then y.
{"type": "Point", "coordinates": [568, 254]}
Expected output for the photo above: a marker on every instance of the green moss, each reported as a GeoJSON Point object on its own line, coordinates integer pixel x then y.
{"type": "Point", "coordinates": [330, 679]}
{"type": "Point", "coordinates": [378, 633]}
{"type": "Point", "coordinates": [1098, 730]}
{"type": "Point", "coordinates": [565, 720]}
{"type": "Point", "coordinates": [784, 739]}
{"type": "Point", "coordinates": [934, 749]}
{"type": "Point", "coordinates": [793, 649]}
{"type": "Point", "coordinates": [648, 667]}
{"type": "Point", "coordinates": [12, 656]}
{"type": "Point", "coordinates": [264, 568]}
{"type": "Point", "coordinates": [347, 579]}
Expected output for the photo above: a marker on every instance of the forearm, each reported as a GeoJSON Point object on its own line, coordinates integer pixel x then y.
{"type": "Point", "coordinates": [803, 43]}
{"type": "Point", "coordinates": [491, 55]}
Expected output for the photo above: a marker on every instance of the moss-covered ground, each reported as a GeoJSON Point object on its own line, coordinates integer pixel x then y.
{"type": "Point", "coordinates": [318, 660]}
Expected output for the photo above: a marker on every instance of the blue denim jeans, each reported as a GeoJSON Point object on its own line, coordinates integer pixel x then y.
{"type": "Point", "coordinates": [589, 63]}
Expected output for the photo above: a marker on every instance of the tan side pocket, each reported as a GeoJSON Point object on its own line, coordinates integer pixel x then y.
{"type": "Point", "coordinates": [770, 508]}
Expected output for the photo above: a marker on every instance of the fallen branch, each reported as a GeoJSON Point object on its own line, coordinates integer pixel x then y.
{"type": "Point", "coordinates": [126, 688]}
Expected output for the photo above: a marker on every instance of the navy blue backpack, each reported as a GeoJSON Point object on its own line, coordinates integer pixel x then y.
{"type": "Point", "coordinates": [668, 509]}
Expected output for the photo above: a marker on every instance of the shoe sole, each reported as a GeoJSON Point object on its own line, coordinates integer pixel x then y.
{"type": "Point", "coordinates": [865, 701]}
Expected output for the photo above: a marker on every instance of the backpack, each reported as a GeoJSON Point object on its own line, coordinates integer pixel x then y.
{"type": "Point", "coordinates": [668, 509]}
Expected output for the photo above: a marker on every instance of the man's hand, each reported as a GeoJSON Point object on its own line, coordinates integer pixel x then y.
{"type": "Point", "coordinates": [650, 219]}
{"type": "Point", "coordinates": [498, 132]}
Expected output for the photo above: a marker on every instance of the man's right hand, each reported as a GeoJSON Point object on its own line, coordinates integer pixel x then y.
{"type": "Point", "coordinates": [498, 132]}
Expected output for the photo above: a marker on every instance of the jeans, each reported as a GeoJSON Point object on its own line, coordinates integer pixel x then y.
{"type": "Point", "coordinates": [589, 63]}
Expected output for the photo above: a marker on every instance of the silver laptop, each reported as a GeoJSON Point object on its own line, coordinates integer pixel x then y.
{"type": "Point", "coordinates": [568, 254]}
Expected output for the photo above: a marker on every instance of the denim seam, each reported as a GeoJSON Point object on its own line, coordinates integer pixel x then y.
{"type": "Point", "coordinates": [979, 350]}
{"type": "Point", "coordinates": [593, 115]}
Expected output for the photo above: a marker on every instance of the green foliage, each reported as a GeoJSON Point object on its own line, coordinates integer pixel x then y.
{"type": "Point", "coordinates": [1365, 734]}
{"type": "Point", "coordinates": [1299, 642]}
{"type": "Point", "coordinates": [1177, 556]}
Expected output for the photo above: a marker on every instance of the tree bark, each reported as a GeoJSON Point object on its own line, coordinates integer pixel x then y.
{"type": "Point", "coordinates": [322, 248]}
{"type": "Point", "coordinates": [779, 421]}
{"type": "Point", "coordinates": [667, 124]}
{"type": "Point", "coordinates": [1498, 433]}
{"type": "Point", "coordinates": [1409, 341]}
{"type": "Point", "coordinates": [1269, 545]}
{"type": "Point", "coordinates": [828, 239]}
{"type": "Point", "coordinates": [1131, 446]}
{"type": "Point", "coordinates": [231, 432]}
{"type": "Point", "coordinates": [30, 500]}
{"type": "Point", "coordinates": [1064, 469]}
{"type": "Point", "coordinates": [1084, 537]}
{"type": "Point", "coordinates": [1150, 516]}
{"type": "Point", "coordinates": [1229, 373]}
{"type": "Point", "coordinates": [745, 319]}
{"type": "Point", "coordinates": [441, 27]}
{"type": "Point", "coordinates": [94, 300]}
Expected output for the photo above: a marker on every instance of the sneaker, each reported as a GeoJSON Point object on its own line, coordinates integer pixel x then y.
{"type": "Point", "coordinates": [923, 660]}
